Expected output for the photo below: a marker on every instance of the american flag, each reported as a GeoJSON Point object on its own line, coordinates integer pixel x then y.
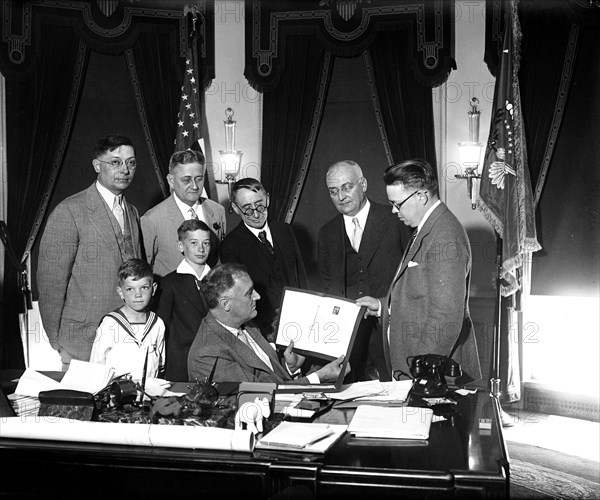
{"type": "Point", "coordinates": [505, 193]}
{"type": "Point", "coordinates": [189, 121]}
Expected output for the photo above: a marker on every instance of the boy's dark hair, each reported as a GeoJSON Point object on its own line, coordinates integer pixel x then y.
{"type": "Point", "coordinates": [191, 225]}
{"type": "Point", "coordinates": [414, 174]}
{"type": "Point", "coordinates": [136, 269]}
{"type": "Point", "coordinates": [185, 157]}
{"type": "Point", "coordinates": [219, 280]}
{"type": "Point", "coordinates": [110, 143]}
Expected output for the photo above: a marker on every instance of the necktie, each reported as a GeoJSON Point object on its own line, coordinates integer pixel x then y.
{"type": "Point", "coordinates": [262, 236]}
{"type": "Point", "coordinates": [118, 213]}
{"type": "Point", "coordinates": [357, 234]}
{"type": "Point", "coordinates": [193, 214]}
{"type": "Point", "coordinates": [241, 334]}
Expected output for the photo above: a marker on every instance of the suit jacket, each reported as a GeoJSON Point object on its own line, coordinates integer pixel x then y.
{"type": "Point", "coordinates": [381, 247]}
{"type": "Point", "coordinates": [181, 307]}
{"type": "Point", "coordinates": [429, 298]}
{"type": "Point", "coordinates": [241, 246]}
{"type": "Point", "coordinates": [80, 253]}
{"type": "Point", "coordinates": [236, 362]}
{"type": "Point", "coordinates": [159, 229]}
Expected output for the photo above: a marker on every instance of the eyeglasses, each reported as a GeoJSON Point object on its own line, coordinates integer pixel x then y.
{"type": "Point", "coordinates": [346, 188]}
{"type": "Point", "coordinates": [118, 163]}
{"type": "Point", "coordinates": [250, 211]}
{"type": "Point", "coordinates": [398, 205]}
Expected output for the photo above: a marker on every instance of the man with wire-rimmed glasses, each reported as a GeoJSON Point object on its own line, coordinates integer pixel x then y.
{"type": "Point", "coordinates": [268, 249]}
{"type": "Point", "coordinates": [86, 238]}
{"type": "Point", "coordinates": [426, 310]}
{"type": "Point", "coordinates": [358, 253]}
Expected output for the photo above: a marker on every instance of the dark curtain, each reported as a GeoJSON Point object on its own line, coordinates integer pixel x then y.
{"type": "Point", "coordinates": [541, 78]}
{"type": "Point", "coordinates": [158, 81]}
{"type": "Point", "coordinates": [406, 105]}
{"type": "Point", "coordinates": [291, 117]}
{"type": "Point", "coordinates": [39, 115]}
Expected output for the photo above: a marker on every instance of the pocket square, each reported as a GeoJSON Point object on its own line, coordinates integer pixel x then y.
{"type": "Point", "coordinates": [412, 264]}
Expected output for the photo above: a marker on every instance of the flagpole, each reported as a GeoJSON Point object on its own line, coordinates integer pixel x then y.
{"type": "Point", "coordinates": [495, 388]}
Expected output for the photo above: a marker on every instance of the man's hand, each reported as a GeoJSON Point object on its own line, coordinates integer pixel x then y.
{"type": "Point", "coordinates": [373, 305]}
{"type": "Point", "coordinates": [292, 360]}
{"type": "Point", "coordinates": [331, 371]}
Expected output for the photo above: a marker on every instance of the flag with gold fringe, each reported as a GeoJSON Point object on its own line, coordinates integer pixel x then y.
{"type": "Point", "coordinates": [505, 193]}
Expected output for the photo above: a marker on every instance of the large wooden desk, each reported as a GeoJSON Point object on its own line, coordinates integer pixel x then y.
{"type": "Point", "coordinates": [459, 460]}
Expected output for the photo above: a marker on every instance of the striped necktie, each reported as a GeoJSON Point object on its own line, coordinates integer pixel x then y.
{"type": "Point", "coordinates": [117, 210]}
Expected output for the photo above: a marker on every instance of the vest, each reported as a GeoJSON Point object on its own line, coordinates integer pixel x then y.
{"type": "Point", "coordinates": [357, 273]}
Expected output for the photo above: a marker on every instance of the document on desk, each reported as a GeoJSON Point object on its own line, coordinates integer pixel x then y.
{"type": "Point", "coordinates": [297, 436]}
{"type": "Point", "coordinates": [320, 325]}
{"type": "Point", "coordinates": [397, 422]}
{"type": "Point", "coordinates": [81, 376]}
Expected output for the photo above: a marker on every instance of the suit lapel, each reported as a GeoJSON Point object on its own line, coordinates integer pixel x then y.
{"type": "Point", "coordinates": [369, 241]}
{"type": "Point", "coordinates": [268, 349]}
{"type": "Point", "coordinates": [99, 215]}
{"type": "Point", "coordinates": [191, 290]}
{"type": "Point", "coordinates": [412, 250]}
{"type": "Point", "coordinates": [174, 215]}
{"type": "Point", "coordinates": [256, 243]}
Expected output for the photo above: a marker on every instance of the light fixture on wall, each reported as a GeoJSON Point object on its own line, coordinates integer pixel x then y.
{"type": "Point", "coordinates": [230, 158]}
{"type": "Point", "coordinates": [470, 153]}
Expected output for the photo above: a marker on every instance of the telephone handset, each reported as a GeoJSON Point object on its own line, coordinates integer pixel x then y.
{"type": "Point", "coordinates": [429, 372]}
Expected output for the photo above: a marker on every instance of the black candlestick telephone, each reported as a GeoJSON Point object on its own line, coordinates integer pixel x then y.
{"type": "Point", "coordinates": [429, 372]}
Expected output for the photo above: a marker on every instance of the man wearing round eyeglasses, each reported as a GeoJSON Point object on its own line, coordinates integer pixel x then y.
{"type": "Point", "coordinates": [426, 310]}
{"type": "Point", "coordinates": [268, 249]}
{"type": "Point", "coordinates": [86, 238]}
{"type": "Point", "coordinates": [358, 253]}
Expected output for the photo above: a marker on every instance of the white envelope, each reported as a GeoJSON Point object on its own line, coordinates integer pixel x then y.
{"type": "Point", "coordinates": [412, 264]}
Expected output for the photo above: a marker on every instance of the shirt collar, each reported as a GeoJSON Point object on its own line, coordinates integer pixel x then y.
{"type": "Point", "coordinates": [184, 208]}
{"type": "Point", "coordinates": [186, 268]}
{"type": "Point", "coordinates": [107, 196]}
{"type": "Point", "coordinates": [427, 214]}
{"type": "Point", "coordinates": [362, 215]}
{"type": "Point", "coordinates": [265, 228]}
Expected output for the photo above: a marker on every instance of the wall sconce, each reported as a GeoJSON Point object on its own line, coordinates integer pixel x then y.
{"type": "Point", "coordinates": [470, 153]}
{"type": "Point", "coordinates": [230, 158]}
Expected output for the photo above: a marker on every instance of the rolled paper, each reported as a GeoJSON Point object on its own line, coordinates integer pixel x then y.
{"type": "Point", "coordinates": [172, 436]}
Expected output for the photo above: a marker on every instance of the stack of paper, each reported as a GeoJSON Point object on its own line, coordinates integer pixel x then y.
{"type": "Point", "coordinates": [295, 436]}
{"type": "Point", "coordinates": [24, 405]}
{"type": "Point", "coordinates": [81, 376]}
{"type": "Point", "coordinates": [400, 422]}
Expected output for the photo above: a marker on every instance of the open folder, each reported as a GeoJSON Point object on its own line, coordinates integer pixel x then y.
{"type": "Point", "coordinates": [320, 325]}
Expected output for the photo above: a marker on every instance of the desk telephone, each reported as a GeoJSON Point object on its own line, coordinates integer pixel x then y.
{"type": "Point", "coordinates": [429, 372]}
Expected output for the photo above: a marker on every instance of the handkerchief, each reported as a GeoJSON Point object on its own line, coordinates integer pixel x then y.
{"type": "Point", "coordinates": [412, 264]}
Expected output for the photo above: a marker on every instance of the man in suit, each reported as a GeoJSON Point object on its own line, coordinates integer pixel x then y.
{"type": "Point", "coordinates": [86, 238]}
{"type": "Point", "coordinates": [181, 306]}
{"type": "Point", "coordinates": [228, 337]}
{"type": "Point", "coordinates": [358, 252]}
{"type": "Point", "coordinates": [160, 223]}
{"type": "Point", "coordinates": [269, 250]}
{"type": "Point", "coordinates": [426, 310]}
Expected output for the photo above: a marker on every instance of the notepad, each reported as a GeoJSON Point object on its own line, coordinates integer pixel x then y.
{"type": "Point", "coordinates": [296, 436]}
{"type": "Point", "coordinates": [404, 422]}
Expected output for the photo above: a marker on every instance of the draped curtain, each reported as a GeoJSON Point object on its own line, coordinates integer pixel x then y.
{"type": "Point", "coordinates": [40, 109]}
{"type": "Point", "coordinates": [291, 114]}
{"type": "Point", "coordinates": [157, 78]}
{"type": "Point", "coordinates": [405, 104]}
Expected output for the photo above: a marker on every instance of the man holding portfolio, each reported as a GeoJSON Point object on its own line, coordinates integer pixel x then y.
{"type": "Point", "coordinates": [228, 341]}
{"type": "Point", "coordinates": [426, 310]}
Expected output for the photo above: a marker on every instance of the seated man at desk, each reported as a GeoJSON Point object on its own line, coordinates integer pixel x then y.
{"type": "Point", "coordinates": [228, 338]}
